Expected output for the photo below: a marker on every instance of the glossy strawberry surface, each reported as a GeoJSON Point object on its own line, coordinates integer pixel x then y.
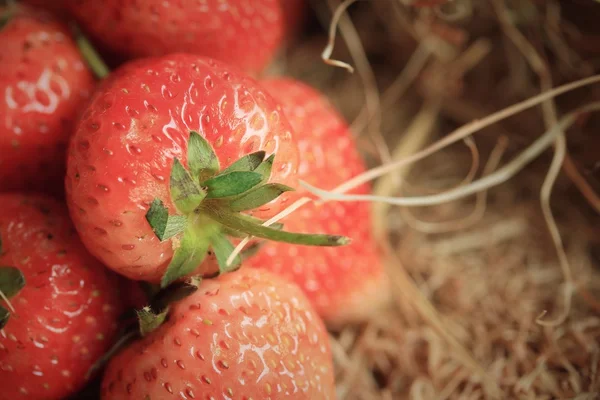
{"type": "Point", "coordinates": [240, 32]}
{"type": "Point", "coordinates": [347, 283]}
{"type": "Point", "coordinates": [66, 315]}
{"type": "Point", "coordinates": [123, 150]}
{"type": "Point", "coordinates": [246, 335]}
{"type": "Point", "coordinates": [43, 84]}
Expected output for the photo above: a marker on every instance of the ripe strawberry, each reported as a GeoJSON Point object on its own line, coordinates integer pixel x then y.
{"type": "Point", "coordinates": [240, 32]}
{"type": "Point", "coordinates": [294, 15]}
{"type": "Point", "coordinates": [347, 283]}
{"type": "Point", "coordinates": [57, 7]}
{"type": "Point", "coordinates": [132, 296]}
{"type": "Point", "coordinates": [43, 82]}
{"type": "Point", "coordinates": [245, 335]}
{"type": "Point", "coordinates": [135, 204]}
{"type": "Point", "coordinates": [65, 302]}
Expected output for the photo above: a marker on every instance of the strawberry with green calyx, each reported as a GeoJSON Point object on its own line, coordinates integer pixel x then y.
{"type": "Point", "coordinates": [59, 306]}
{"type": "Point", "coordinates": [209, 202]}
{"type": "Point", "coordinates": [247, 334]}
{"type": "Point", "coordinates": [138, 322]}
{"type": "Point", "coordinates": [156, 201]}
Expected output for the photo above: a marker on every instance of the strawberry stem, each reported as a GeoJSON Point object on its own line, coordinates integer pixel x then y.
{"type": "Point", "coordinates": [149, 320]}
{"type": "Point", "coordinates": [192, 250]}
{"type": "Point", "coordinates": [90, 55]}
{"type": "Point", "coordinates": [244, 224]}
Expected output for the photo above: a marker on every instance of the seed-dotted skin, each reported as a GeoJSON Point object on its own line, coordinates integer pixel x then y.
{"type": "Point", "coordinates": [65, 317]}
{"type": "Point", "coordinates": [122, 152]}
{"type": "Point", "coordinates": [245, 33]}
{"type": "Point", "coordinates": [345, 284]}
{"type": "Point", "coordinates": [43, 84]}
{"type": "Point", "coordinates": [246, 335]}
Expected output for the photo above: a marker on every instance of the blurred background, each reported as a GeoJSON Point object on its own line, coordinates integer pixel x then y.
{"type": "Point", "coordinates": [497, 295]}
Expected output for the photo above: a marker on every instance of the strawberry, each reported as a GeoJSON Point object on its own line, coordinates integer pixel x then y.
{"type": "Point", "coordinates": [43, 82]}
{"type": "Point", "coordinates": [245, 335]}
{"type": "Point", "coordinates": [294, 15]}
{"type": "Point", "coordinates": [150, 196]}
{"type": "Point", "coordinates": [344, 284]}
{"type": "Point", "coordinates": [63, 304]}
{"type": "Point", "coordinates": [132, 295]}
{"type": "Point", "coordinates": [56, 7]}
{"type": "Point", "coordinates": [240, 32]}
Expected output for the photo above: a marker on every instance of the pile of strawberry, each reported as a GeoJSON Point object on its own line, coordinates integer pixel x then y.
{"type": "Point", "coordinates": [123, 196]}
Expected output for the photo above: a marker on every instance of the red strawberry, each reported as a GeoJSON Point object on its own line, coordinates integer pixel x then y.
{"type": "Point", "coordinates": [57, 7]}
{"type": "Point", "coordinates": [132, 296]}
{"type": "Point", "coordinates": [294, 14]}
{"type": "Point", "coordinates": [245, 335]}
{"type": "Point", "coordinates": [347, 283]}
{"type": "Point", "coordinates": [43, 82]}
{"type": "Point", "coordinates": [133, 160]}
{"type": "Point", "coordinates": [64, 317]}
{"type": "Point", "coordinates": [240, 32]}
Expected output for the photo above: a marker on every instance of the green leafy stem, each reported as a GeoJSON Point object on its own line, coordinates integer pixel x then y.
{"type": "Point", "coordinates": [89, 54]}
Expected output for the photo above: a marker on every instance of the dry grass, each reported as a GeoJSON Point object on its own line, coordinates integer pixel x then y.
{"type": "Point", "coordinates": [472, 277]}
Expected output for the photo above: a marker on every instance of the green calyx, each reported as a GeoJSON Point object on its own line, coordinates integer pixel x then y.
{"type": "Point", "coordinates": [149, 320]}
{"type": "Point", "coordinates": [209, 202]}
{"type": "Point", "coordinates": [11, 283]}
